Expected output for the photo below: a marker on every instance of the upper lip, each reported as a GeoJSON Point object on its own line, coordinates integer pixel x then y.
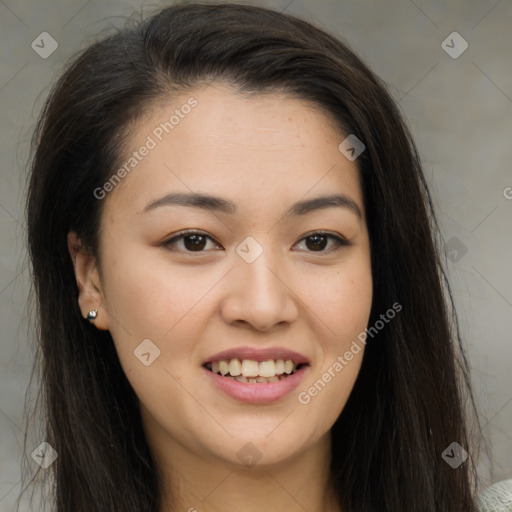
{"type": "Point", "coordinates": [258, 354]}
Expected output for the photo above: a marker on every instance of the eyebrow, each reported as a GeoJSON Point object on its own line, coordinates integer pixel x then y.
{"type": "Point", "coordinates": [218, 204]}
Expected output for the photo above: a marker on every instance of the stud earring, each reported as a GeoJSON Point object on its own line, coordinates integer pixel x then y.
{"type": "Point", "coordinates": [92, 314]}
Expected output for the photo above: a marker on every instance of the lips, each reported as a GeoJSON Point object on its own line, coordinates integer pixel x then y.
{"type": "Point", "coordinates": [256, 375]}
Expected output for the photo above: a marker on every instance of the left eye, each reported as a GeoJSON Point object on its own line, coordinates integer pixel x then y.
{"type": "Point", "coordinates": [195, 241]}
{"type": "Point", "coordinates": [320, 240]}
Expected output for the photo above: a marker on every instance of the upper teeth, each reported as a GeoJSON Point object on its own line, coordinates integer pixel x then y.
{"type": "Point", "coordinates": [250, 368]}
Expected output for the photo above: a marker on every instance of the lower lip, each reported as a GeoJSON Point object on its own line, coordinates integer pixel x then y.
{"type": "Point", "coordinates": [259, 392]}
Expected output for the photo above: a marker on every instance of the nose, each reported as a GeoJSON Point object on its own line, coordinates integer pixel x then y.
{"type": "Point", "coordinates": [260, 294]}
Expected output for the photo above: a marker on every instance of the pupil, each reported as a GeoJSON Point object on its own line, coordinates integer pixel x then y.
{"type": "Point", "coordinates": [194, 244]}
{"type": "Point", "coordinates": [317, 238]}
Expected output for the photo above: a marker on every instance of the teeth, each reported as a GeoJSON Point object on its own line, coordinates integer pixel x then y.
{"type": "Point", "coordinates": [224, 367]}
{"type": "Point", "coordinates": [248, 370]}
{"type": "Point", "coordinates": [289, 367]}
{"type": "Point", "coordinates": [235, 367]}
{"type": "Point", "coordinates": [255, 380]}
{"type": "Point", "coordinates": [267, 368]}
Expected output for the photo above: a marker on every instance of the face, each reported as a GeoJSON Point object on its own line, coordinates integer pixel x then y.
{"type": "Point", "coordinates": [256, 280]}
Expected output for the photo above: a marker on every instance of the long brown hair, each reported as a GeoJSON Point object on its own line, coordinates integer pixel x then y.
{"type": "Point", "coordinates": [409, 401]}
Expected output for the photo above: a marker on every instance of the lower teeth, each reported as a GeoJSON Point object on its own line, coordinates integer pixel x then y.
{"type": "Point", "coordinates": [256, 380]}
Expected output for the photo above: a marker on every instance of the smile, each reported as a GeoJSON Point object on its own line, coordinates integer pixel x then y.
{"type": "Point", "coordinates": [251, 384]}
{"type": "Point", "coordinates": [249, 370]}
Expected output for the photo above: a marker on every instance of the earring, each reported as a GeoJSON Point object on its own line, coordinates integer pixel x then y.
{"type": "Point", "coordinates": [92, 314]}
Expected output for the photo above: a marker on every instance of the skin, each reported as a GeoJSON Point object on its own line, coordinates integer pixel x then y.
{"type": "Point", "coordinates": [264, 153]}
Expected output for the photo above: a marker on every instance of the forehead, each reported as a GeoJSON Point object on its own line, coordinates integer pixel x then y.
{"type": "Point", "coordinates": [264, 148]}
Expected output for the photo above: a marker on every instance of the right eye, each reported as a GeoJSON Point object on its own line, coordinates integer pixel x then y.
{"type": "Point", "coordinates": [193, 241]}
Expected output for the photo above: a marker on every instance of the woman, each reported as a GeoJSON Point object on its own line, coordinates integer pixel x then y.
{"type": "Point", "coordinates": [241, 296]}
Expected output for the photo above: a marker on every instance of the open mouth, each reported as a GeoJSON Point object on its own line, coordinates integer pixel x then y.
{"type": "Point", "coordinates": [251, 371]}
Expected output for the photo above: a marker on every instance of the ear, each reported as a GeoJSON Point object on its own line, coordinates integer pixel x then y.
{"type": "Point", "coordinates": [90, 294]}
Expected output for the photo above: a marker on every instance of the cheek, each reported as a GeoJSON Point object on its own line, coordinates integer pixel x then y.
{"type": "Point", "coordinates": [343, 309]}
{"type": "Point", "coordinates": [155, 318]}
{"type": "Point", "coordinates": [148, 295]}
{"type": "Point", "coordinates": [327, 396]}
{"type": "Point", "coordinates": [147, 299]}
{"type": "Point", "coordinates": [341, 299]}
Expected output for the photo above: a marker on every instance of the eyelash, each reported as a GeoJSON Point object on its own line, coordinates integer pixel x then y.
{"type": "Point", "coordinates": [341, 242]}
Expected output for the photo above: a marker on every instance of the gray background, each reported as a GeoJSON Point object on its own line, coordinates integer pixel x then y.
{"type": "Point", "coordinates": [459, 111]}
